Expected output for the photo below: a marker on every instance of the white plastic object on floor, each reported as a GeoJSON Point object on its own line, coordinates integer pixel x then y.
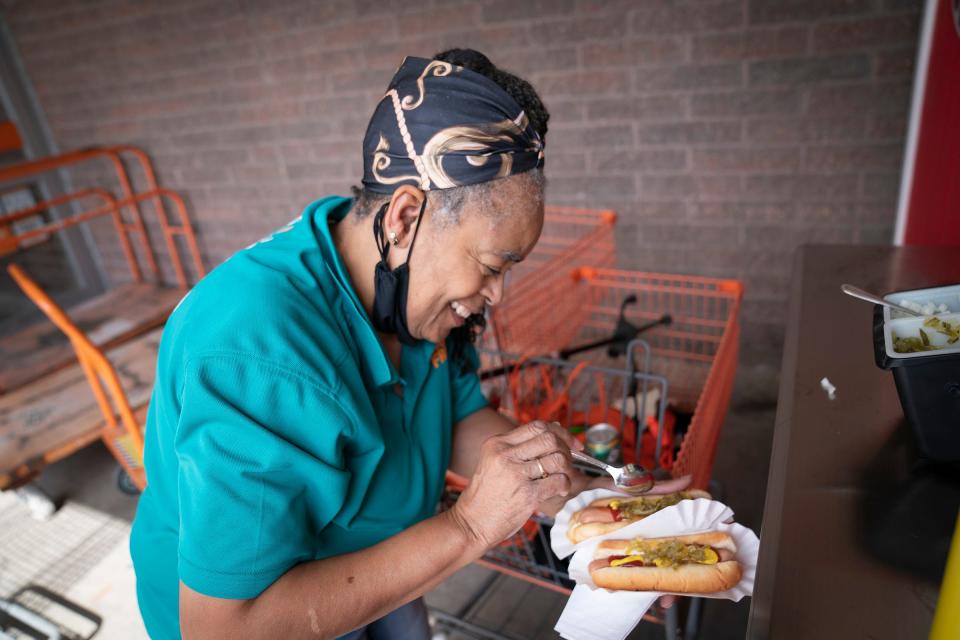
{"type": "Point", "coordinates": [41, 505]}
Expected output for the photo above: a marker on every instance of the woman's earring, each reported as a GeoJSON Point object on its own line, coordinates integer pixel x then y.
{"type": "Point", "coordinates": [394, 239]}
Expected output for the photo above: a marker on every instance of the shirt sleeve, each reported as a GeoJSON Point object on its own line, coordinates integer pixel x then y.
{"type": "Point", "coordinates": [261, 470]}
{"type": "Point", "coordinates": [467, 396]}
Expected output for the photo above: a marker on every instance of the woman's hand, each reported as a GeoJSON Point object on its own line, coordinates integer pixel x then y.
{"type": "Point", "coordinates": [518, 471]}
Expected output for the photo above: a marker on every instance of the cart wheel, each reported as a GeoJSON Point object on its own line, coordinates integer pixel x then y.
{"type": "Point", "coordinates": [125, 483]}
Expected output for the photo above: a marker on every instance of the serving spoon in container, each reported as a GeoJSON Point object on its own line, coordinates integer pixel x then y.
{"type": "Point", "coordinates": [857, 292]}
{"type": "Point", "coordinates": [629, 478]}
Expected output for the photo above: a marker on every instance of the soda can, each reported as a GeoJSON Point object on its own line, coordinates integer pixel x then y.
{"type": "Point", "coordinates": [603, 442]}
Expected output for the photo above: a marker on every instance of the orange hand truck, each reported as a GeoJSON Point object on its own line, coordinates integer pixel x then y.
{"type": "Point", "coordinates": [121, 431]}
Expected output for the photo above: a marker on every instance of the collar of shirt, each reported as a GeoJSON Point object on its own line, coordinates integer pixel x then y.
{"type": "Point", "coordinates": [376, 363]}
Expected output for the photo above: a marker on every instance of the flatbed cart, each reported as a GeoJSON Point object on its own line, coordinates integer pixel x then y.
{"type": "Point", "coordinates": [127, 309]}
{"type": "Point", "coordinates": [688, 363]}
{"type": "Point", "coordinates": [47, 410]}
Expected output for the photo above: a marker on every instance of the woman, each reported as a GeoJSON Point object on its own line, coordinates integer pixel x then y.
{"type": "Point", "coordinates": [312, 389]}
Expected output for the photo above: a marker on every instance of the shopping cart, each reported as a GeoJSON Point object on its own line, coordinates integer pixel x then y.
{"type": "Point", "coordinates": [686, 367]}
{"type": "Point", "coordinates": [571, 238]}
{"type": "Point", "coordinates": [695, 352]}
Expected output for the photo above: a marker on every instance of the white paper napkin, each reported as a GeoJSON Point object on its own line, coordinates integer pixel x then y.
{"type": "Point", "coordinates": [561, 545]}
{"type": "Point", "coordinates": [600, 614]}
{"type": "Point", "coordinates": [581, 620]}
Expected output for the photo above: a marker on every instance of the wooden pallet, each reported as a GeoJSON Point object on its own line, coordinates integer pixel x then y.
{"type": "Point", "coordinates": [56, 415]}
{"type": "Point", "coordinates": [108, 319]}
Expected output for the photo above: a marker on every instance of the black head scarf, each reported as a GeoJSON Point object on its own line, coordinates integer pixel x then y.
{"type": "Point", "coordinates": [441, 126]}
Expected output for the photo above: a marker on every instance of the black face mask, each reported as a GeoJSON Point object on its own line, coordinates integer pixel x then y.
{"type": "Point", "coordinates": [390, 287]}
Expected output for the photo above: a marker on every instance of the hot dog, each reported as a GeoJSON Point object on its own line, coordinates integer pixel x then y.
{"type": "Point", "coordinates": [696, 563]}
{"type": "Point", "coordinates": [610, 514]}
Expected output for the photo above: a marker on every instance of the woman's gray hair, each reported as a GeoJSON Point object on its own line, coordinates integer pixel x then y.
{"type": "Point", "coordinates": [446, 204]}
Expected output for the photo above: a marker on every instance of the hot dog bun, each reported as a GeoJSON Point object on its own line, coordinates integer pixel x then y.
{"type": "Point", "coordinates": [696, 578]}
{"type": "Point", "coordinates": [685, 578]}
{"type": "Point", "coordinates": [579, 531]}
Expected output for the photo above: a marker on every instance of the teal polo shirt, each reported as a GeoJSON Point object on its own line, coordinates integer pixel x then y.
{"type": "Point", "coordinates": [274, 434]}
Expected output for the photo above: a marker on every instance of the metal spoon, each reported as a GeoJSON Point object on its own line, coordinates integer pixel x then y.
{"type": "Point", "coordinates": [630, 478]}
{"type": "Point", "coordinates": [857, 292]}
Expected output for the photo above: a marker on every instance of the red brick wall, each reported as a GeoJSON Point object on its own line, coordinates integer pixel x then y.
{"type": "Point", "coordinates": [726, 132]}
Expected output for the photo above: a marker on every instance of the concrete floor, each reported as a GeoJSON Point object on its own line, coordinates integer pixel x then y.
{"type": "Point", "coordinates": [80, 553]}
{"type": "Point", "coordinates": [103, 581]}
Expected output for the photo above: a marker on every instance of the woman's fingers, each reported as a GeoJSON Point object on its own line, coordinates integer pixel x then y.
{"type": "Point", "coordinates": [667, 601]}
{"type": "Point", "coordinates": [538, 446]}
{"type": "Point", "coordinates": [516, 472]}
{"type": "Point", "coordinates": [554, 485]}
{"type": "Point", "coordinates": [669, 486]}
{"type": "Point", "coordinates": [565, 436]}
{"type": "Point", "coordinates": [538, 427]}
{"type": "Point", "coordinates": [548, 464]}
{"type": "Point", "coordinates": [524, 432]}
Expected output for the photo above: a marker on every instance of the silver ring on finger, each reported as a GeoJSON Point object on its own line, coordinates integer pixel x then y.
{"type": "Point", "coordinates": [543, 472]}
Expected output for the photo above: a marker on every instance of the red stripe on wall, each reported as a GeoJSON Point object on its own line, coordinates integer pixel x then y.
{"type": "Point", "coordinates": [934, 209]}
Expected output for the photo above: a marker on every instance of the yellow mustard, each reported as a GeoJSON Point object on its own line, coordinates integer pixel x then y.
{"type": "Point", "coordinates": [667, 554]}
{"type": "Point", "coordinates": [625, 560]}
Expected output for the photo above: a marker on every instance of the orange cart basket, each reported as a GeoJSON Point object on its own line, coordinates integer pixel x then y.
{"type": "Point", "coordinates": [696, 352]}
{"type": "Point", "coordinates": [571, 238]}
{"type": "Point", "coordinates": [121, 431]}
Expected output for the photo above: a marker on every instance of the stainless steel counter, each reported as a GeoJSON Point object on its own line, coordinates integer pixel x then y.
{"type": "Point", "coordinates": [822, 572]}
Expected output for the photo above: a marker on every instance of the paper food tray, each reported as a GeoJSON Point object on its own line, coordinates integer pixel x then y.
{"type": "Point", "coordinates": [707, 511]}
{"type": "Point", "coordinates": [594, 614]}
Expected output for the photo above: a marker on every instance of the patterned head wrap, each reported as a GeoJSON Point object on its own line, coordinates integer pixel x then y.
{"type": "Point", "coordinates": [441, 126]}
